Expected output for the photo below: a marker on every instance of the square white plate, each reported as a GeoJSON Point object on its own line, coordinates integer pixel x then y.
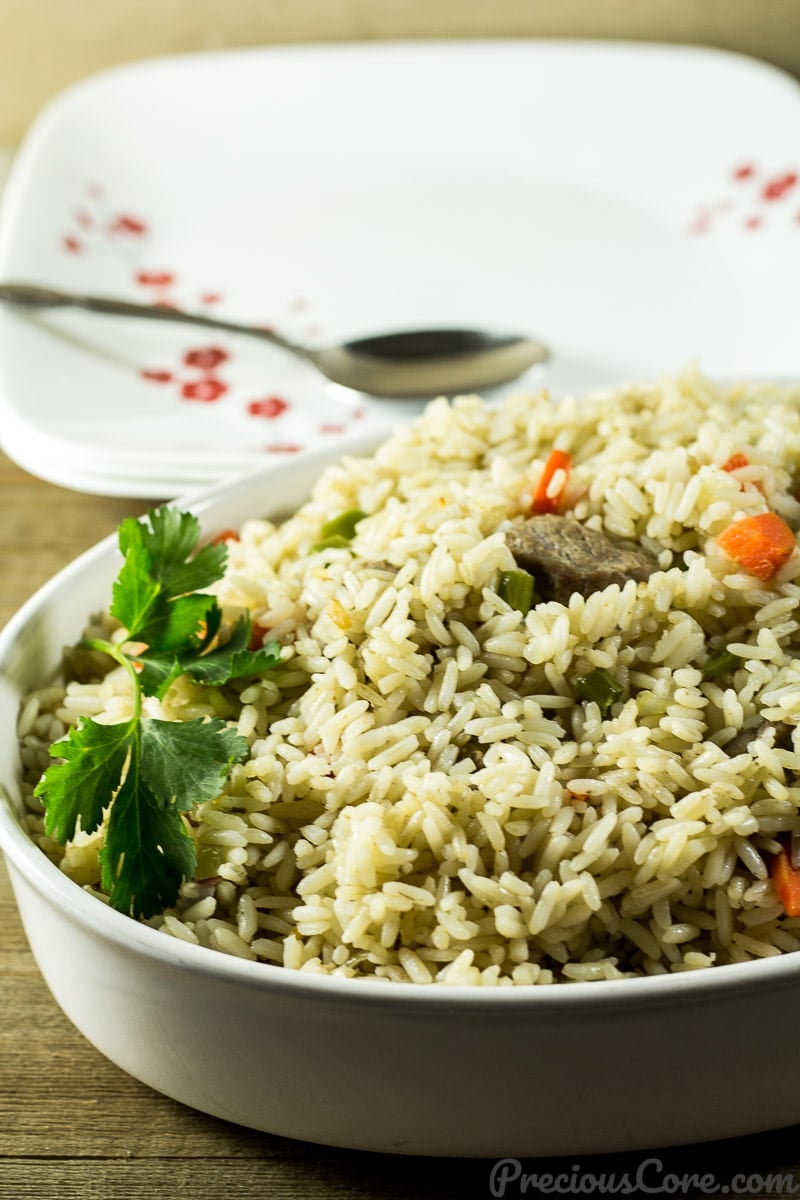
{"type": "Point", "coordinates": [636, 206]}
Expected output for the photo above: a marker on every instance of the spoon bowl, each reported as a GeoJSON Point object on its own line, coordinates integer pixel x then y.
{"type": "Point", "coordinates": [424, 362]}
{"type": "Point", "coordinates": [410, 363]}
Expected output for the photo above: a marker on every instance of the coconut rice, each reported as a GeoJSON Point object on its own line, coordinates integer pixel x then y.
{"type": "Point", "coordinates": [427, 799]}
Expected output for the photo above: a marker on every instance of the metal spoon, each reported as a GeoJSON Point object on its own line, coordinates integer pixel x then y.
{"type": "Point", "coordinates": [415, 363]}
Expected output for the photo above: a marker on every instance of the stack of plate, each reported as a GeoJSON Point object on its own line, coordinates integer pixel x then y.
{"type": "Point", "coordinates": [92, 416]}
{"type": "Point", "coordinates": [635, 206]}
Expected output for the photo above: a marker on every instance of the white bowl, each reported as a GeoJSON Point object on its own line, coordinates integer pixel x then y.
{"type": "Point", "coordinates": [433, 1069]}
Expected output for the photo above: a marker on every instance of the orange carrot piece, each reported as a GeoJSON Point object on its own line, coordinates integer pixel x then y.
{"type": "Point", "coordinates": [735, 461]}
{"type": "Point", "coordinates": [786, 881]}
{"type": "Point", "coordinates": [225, 535]}
{"type": "Point", "coordinates": [760, 544]}
{"type": "Point", "coordinates": [545, 500]}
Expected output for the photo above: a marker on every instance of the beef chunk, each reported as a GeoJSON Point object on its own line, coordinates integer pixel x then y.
{"type": "Point", "coordinates": [565, 557]}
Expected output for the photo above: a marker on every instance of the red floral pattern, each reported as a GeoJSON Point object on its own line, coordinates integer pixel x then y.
{"type": "Point", "coordinates": [199, 375]}
{"type": "Point", "coordinates": [157, 279]}
{"type": "Point", "coordinates": [207, 390]}
{"type": "Point", "coordinates": [127, 224]}
{"type": "Point", "coordinates": [777, 188]}
{"type": "Point", "coordinates": [271, 407]}
{"type": "Point", "coordinates": [206, 359]}
{"type": "Point", "coordinates": [756, 199]}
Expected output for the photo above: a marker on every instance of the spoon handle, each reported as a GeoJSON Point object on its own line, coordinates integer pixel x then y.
{"type": "Point", "coordinates": [32, 296]}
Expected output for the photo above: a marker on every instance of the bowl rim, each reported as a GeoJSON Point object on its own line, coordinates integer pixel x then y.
{"type": "Point", "coordinates": [102, 922]}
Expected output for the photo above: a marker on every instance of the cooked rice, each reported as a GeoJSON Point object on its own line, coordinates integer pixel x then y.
{"type": "Point", "coordinates": [426, 799]}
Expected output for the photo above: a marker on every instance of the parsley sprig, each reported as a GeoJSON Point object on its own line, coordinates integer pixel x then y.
{"type": "Point", "coordinates": [140, 775]}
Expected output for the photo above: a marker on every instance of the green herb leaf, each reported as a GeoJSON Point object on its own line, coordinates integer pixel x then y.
{"type": "Point", "coordinates": [147, 851]}
{"type": "Point", "coordinates": [140, 775]}
{"type": "Point", "coordinates": [601, 686]}
{"type": "Point", "coordinates": [136, 591]}
{"type": "Point", "coordinates": [157, 673]}
{"type": "Point", "coordinates": [233, 659]}
{"type": "Point", "coordinates": [80, 787]}
{"type": "Point", "coordinates": [150, 597]}
{"type": "Point", "coordinates": [186, 762]}
{"type": "Point", "coordinates": [171, 539]}
{"type": "Point", "coordinates": [720, 664]}
{"type": "Point", "coordinates": [189, 621]}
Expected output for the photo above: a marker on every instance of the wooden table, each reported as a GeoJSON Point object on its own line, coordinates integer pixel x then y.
{"type": "Point", "coordinates": [73, 1125]}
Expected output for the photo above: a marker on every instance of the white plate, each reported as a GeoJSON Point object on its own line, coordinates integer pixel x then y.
{"type": "Point", "coordinates": [636, 206]}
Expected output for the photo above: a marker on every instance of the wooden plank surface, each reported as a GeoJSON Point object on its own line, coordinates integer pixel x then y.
{"type": "Point", "coordinates": [73, 1125]}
